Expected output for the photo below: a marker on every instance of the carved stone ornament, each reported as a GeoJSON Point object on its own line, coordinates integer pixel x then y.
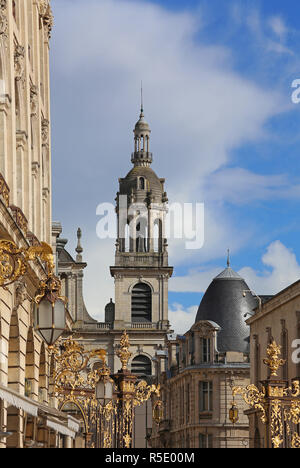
{"type": "Point", "coordinates": [19, 62]}
{"type": "Point", "coordinates": [3, 20]}
{"type": "Point", "coordinates": [46, 16]}
{"type": "Point", "coordinates": [33, 99]}
{"type": "Point", "coordinates": [21, 293]}
{"type": "Point", "coordinates": [45, 132]}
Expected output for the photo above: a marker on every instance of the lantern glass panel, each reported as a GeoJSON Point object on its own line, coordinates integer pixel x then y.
{"type": "Point", "coordinates": [59, 314]}
{"type": "Point", "coordinates": [104, 390]}
{"type": "Point", "coordinates": [44, 314]}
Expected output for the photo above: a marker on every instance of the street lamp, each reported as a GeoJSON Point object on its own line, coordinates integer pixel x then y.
{"type": "Point", "coordinates": [107, 402]}
{"type": "Point", "coordinates": [50, 310]}
{"type": "Point", "coordinates": [105, 386]}
{"type": "Point", "coordinates": [234, 414]}
{"type": "Point", "coordinates": [49, 307]}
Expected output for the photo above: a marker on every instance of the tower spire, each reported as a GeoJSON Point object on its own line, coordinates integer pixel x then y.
{"type": "Point", "coordinates": [142, 99]}
{"type": "Point", "coordinates": [228, 258]}
{"type": "Point", "coordinates": [142, 155]}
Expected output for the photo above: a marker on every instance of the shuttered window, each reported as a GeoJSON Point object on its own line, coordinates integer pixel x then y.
{"type": "Point", "coordinates": [141, 365]}
{"type": "Point", "coordinates": [141, 303]}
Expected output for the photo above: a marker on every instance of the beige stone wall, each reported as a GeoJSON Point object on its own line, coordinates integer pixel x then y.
{"type": "Point", "coordinates": [25, 161]}
{"type": "Point", "coordinates": [184, 419]}
{"type": "Point", "coordinates": [280, 315]}
{"type": "Point", "coordinates": [25, 195]}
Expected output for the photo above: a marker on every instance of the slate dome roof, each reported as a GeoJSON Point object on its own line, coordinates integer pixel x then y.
{"type": "Point", "coordinates": [130, 181]}
{"type": "Point", "coordinates": [224, 304]}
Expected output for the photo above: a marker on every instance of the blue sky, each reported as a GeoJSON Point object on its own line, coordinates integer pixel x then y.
{"type": "Point", "coordinates": [217, 81]}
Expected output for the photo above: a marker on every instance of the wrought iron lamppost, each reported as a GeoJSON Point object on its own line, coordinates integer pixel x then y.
{"type": "Point", "coordinates": [279, 405]}
{"type": "Point", "coordinates": [49, 306]}
{"type": "Point", "coordinates": [106, 402]}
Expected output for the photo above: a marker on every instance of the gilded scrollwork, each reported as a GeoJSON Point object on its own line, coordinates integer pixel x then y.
{"type": "Point", "coordinates": [12, 263]}
{"type": "Point", "coordinates": [254, 398]}
{"type": "Point", "coordinates": [280, 406]}
{"type": "Point", "coordinates": [276, 424]}
{"type": "Point", "coordinates": [108, 423]}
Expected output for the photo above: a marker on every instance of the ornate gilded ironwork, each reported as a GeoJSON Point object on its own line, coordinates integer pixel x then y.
{"type": "Point", "coordinates": [274, 362]}
{"type": "Point", "coordinates": [123, 352]}
{"type": "Point", "coordinates": [109, 424]}
{"type": "Point", "coordinates": [253, 397]}
{"type": "Point", "coordinates": [279, 406]}
{"type": "Point", "coordinates": [14, 261]}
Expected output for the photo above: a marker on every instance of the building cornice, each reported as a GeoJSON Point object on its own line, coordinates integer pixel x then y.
{"type": "Point", "coordinates": [281, 299]}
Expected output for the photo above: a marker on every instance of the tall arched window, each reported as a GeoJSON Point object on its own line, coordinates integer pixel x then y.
{"type": "Point", "coordinates": [141, 365]}
{"type": "Point", "coordinates": [141, 303]}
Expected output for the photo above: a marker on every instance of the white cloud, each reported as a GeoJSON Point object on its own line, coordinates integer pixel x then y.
{"type": "Point", "coordinates": [282, 269]}
{"type": "Point", "coordinates": [278, 26]}
{"type": "Point", "coordinates": [182, 319]}
{"type": "Point", "coordinates": [240, 186]}
{"type": "Point", "coordinates": [199, 108]}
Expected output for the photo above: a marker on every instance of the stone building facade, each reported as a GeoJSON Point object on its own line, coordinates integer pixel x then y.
{"type": "Point", "coordinates": [26, 420]}
{"type": "Point", "coordinates": [279, 320]}
{"type": "Point", "coordinates": [197, 372]}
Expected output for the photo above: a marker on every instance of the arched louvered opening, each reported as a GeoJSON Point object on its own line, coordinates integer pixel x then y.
{"type": "Point", "coordinates": [141, 303]}
{"type": "Point", "coordinates": [141, 366]}
{"type": "Point", "coordinates": [142, 183]}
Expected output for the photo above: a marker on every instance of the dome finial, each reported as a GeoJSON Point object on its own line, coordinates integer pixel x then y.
{"type": "Point", "coordinates": [142, 99]}
{"type": "Point", "coordinates": [228, 258]}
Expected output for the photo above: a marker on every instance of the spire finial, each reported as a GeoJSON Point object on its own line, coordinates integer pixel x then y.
{"type": "Point", "coordinates": [142, 98]}
{"type": "Point", "coordinates": [79, 248]}
{"type": "Point", "coordinates": [228, 258]}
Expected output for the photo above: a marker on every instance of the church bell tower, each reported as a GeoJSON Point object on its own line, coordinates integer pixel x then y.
{"type": "Point", "coordinates": [141, 269]}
